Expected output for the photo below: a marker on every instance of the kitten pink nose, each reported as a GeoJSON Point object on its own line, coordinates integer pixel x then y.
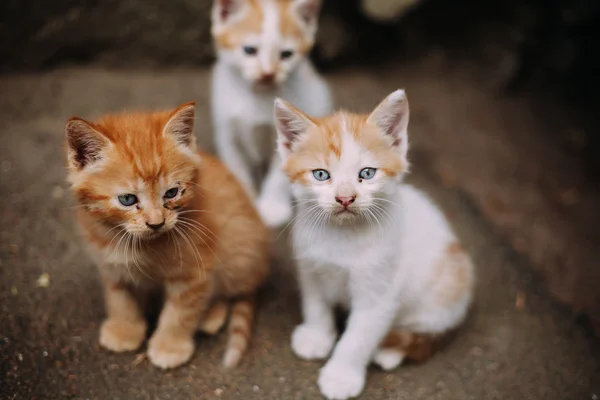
{"type": "Point", "coordinates": [267, 77]}
{"type": "Point", "coordinates": [345, 200]}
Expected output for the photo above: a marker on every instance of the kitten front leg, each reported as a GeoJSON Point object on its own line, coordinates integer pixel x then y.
{"type": "Point", "coordinates": [233, 158]}
{"type": "Point", "coordinates": [125, 327]}
{"type": "Point", "coordinates": [344, 374]}
{"type": "Point", "coordinates": [275, 203]}
{"type": "Point", "coordinates": [173, 342]}
{"type": "Point", "coordinates": [315, 337]}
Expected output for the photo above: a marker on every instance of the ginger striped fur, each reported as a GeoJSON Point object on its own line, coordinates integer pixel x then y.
{"type": "Point", "coordinates": [160, 216]}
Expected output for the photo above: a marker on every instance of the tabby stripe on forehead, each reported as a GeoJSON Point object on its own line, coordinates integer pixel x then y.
{"type": "Point", "coordinates": [85, 195]}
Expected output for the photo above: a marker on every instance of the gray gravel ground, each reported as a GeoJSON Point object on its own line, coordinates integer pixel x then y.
{"type": "Point", "coordinates": [517, 344]}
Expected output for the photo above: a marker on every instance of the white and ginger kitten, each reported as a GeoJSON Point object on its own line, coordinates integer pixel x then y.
{"type": "Point", "coordinates": [367, 242]}
{"type": "Point", "coordinates": [262, 48]}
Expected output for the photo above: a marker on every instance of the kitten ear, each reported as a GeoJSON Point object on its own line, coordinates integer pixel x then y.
{"type": "Point", "coordinates": [291, 124]}
{"type": "Point", "coordinates": [181, 124]}
{"type": "Point", "coordinates": [308, 10]}
{"type": "Point", "coordinates": [85, 143]}
{"type": "Point", "coordinates": [223, 9]}
{"type": "Point", "coordinates": [391, 117]}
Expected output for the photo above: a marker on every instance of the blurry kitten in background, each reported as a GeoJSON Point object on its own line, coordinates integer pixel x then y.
{"type": "Point", "coordinates": [367, 242]}
{"type": "Point", "coordinates": [159, 216]}
{"type": "Point", "coordinates": [262, 48]}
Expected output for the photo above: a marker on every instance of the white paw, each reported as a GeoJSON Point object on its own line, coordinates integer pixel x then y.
{"type": "Point", "coordinates": [273, 211]}
{"type": "Point", "coordinates": [311, 342]}
{"type": "Point", "coordinates": [388, 359]}
{"type": "Point", "coordinates": [339, 381]}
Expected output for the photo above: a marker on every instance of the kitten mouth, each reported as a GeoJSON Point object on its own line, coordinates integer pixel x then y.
{"type": "Point", "coordinates": [265, 86]}
{"type": "Point", "coordinates": [149, 235]}
{"type": "Point", "coordinates": [344, 211]}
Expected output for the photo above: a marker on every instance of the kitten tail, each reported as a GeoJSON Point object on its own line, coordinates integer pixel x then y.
{"type": "Point", "coordinates": [240, 330]}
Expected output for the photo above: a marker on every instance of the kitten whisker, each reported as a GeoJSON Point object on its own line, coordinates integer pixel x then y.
{"type": "Point", "coordinates": [195, 231]}
{"type": "Point", "coordinates": [297, 218]}
{"type": "Point", "coordinates": [382, 211]}
{"type": "Point", "coordinates": [387, 201]}
{"type": "Point", "coordinates": [177, 248]}
{"type": "Point", "coordinates": [377, 221]}
{"type": "Point", "coordinates": [114, 227]}
{"type": "Point", "coordinates": [202, 226]}
{"type": "Point", "coordinates": [195, 252]}
{"type": "Point", "coordinates": [192, 224]}
{"type": "Point", "coordinates": [191, 211]}
{"type": "Point", "coordinates": [134, 256]}
{"type": "Point", "coordinates": [199, 186]}
{"type": "Point", "coordinates": [299, 203]}
{"type": "Point", "coordinates": [314, 224]}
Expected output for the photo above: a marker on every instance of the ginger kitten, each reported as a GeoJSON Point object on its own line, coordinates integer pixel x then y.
{"type": "Point", "coordinates": [262, 48]}
{"type": "Point", "coordinates": [158, 215]}
{"type": "Point", "coordinates": [365, 241]}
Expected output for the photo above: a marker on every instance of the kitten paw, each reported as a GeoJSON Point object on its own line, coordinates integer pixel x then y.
{"type": "Point", "coordinates": [388, 359]}
{"type": "Point", "coordinates": [214, 319]}
{"type": "Point", "coordinates": [312, 343]}
{"type": "Point", "coordinates": [170, 351]}
{"type": "Point", "coordinates": [274, 212]}
{"type": "Point", "coordinates": [339, 381]}
{"type": "Point", "coordinates": [121, 335]}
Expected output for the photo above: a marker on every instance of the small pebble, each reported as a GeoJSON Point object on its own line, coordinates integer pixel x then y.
{"type": "Point", "coordinates": [45, 353]}
{"type": "Point", "coordinates": [218, 392]}
{"type": "Point", "coordinates": [14, 290]}
{"type": "Point", "coordinates": [477, 351]}
{"type": "Point", "coordinates": [281, 379]}
{"type": "Point", "coordinates": [43, 281]}
{"type": "Point", "coordinates": [6, 166]}
{"type": "Point", "coordinates": [20, 356]}
{"type": "Point", "coordinates": [255, 388]}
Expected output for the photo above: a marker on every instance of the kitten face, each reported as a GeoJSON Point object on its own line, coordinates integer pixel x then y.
{"type": "Point", "coordinates": [345, 163]}
{"type": "Point", "coordinates": [135, 171]}
{"type": "Point", "coordinates": [264, 39]}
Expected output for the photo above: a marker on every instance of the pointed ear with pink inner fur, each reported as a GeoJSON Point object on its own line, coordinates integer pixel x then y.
{"type": "Point", "coordinates": [291, 124]}
{"type": "Point", "coordinates": [307, 10]}
{"type": "Point", "coordinates": [223, 10]}
{"type": "Point", "coordinates": [391, 117]}
{"type": "Point", "coordinates": [86, 143]}
{"type": "Point", "coordinates": [181, 125]}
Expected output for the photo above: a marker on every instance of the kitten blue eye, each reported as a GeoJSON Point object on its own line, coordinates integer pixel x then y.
{"type": "Point", "coordinates": [128, 199]}
{"type": "Point", "coordinates": [286, 54]}
{"type": "Point", "coordinates": [367, 173]}
{"type": "Point", "coordinates": [169, 194]}
{"type": "Point", "coordinates": [250, 50]}
{"type": "Point", "coordinates": [320, 174]}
